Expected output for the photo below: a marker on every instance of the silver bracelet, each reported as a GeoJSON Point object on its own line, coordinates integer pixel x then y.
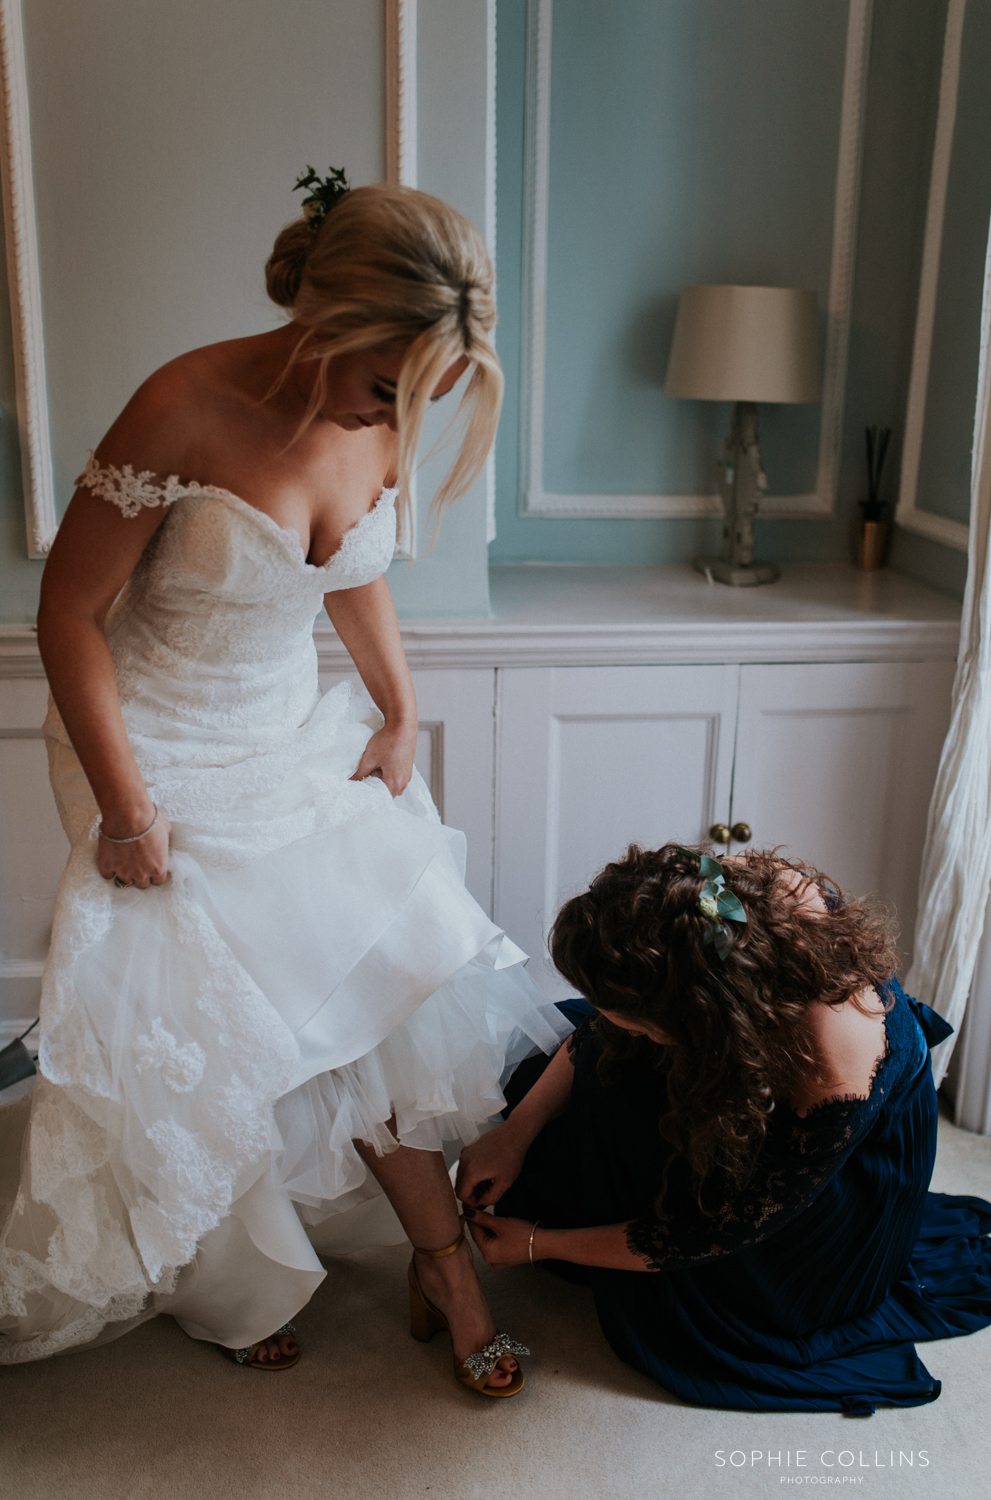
{"type": "Point", "coordinates": [134, 836]}
{"type": "Point", "coordinates": [533, 1231]}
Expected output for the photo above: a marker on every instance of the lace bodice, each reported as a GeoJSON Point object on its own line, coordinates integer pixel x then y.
{"type": "Point", "coordinates": [214, 630]}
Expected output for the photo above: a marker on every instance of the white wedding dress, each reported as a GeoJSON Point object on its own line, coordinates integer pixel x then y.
{"type": "Point", "coordinates": [313, 965]}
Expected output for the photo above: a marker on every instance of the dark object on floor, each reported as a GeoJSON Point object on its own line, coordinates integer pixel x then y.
{"type": "Point", "coordinates": [16, 1062]}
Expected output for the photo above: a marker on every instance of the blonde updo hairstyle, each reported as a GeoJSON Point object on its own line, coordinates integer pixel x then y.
{"type": "Point", "coordinates": [392, 267]}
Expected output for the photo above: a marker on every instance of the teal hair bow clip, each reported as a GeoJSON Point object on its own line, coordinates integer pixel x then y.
{"type": "Point", "coordinates": [716, 903]}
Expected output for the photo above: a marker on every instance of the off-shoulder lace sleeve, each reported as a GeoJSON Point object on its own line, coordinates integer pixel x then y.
{"type": "Point", "coordinates": [130, 492]}
{"type": "Point", "coordinates": [799, 1157]}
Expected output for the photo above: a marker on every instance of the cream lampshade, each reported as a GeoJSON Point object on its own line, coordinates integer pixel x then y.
{"type": "Point", "coordinates": [744, 344]}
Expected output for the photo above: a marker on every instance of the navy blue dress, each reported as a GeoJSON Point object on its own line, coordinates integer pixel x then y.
{"type": "Point", "coordinates": [808, 1288]}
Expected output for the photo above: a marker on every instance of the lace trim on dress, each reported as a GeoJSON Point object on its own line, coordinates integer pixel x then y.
{"type": "Point", "coordinates": [130, 492]}
{"type": "Point", "coordinates": [579, 1037]}
{"type": "Point", "coordinates": [367, 547]}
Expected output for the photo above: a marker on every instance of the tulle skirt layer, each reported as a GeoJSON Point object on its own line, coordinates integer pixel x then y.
{"type": "Point", "coordinates": [213, 1048]}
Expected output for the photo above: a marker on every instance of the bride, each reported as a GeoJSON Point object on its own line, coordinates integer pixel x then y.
{"type": "Point", "coordinates": [266, 979]}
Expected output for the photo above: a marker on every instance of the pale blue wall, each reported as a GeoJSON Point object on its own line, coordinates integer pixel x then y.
{"type": "Point", "coordinates": [672, 176]}
{"type": "Point", "coordinates": [694, 141]}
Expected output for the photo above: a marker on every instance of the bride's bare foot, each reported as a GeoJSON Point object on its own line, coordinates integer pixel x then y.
{"type": "Point", "coordinates": [276, 1352]}
{"type": "Point", "coordinates": [283, 1346]}
{"type": "Point", "coordinates": [452, 1286]}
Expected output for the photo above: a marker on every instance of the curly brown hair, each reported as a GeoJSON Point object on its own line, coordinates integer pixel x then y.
{"type": "Point", "coordinates": [634, 944]}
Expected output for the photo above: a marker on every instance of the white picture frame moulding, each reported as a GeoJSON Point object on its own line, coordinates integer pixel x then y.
{"type": "Point", "coordinates": [401, 167]}
{"type": "Point", "coordinates": [908, 513]}
{"type": "Point", "coordinates": [400, 92]}
{"type": "Point", "coordinates": [24, 277]}
{"type": "Point", "coordinates": [533, 499]}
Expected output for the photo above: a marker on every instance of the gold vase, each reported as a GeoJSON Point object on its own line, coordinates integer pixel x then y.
{"type": "Point", "coordinates": [872, 544]}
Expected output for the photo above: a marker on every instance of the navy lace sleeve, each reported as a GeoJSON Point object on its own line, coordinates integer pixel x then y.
{"type": "Point", "coordinates": [579, 1036]}
{"type": "Point", "coordinates": [799, 1156]}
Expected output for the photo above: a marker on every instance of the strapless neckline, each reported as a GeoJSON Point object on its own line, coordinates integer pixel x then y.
{"type": "Point", "coordinates": [289, 534]}
{"type": "Point", "coordinates": [132, 492]}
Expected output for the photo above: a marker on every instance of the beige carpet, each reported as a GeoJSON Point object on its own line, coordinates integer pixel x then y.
{"type": "Point", "coordinates": [371, 1415]}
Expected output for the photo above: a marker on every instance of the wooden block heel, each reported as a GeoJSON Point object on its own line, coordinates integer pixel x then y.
{"type": "Point", "coordinates": [424, 1320]}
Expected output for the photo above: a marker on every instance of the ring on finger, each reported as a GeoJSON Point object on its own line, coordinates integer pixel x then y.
{"type": "Point", "coordinates": [122, 885]}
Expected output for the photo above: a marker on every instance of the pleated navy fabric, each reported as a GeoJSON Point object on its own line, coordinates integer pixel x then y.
{"type": "Point", "coordinates": [815, 1306]}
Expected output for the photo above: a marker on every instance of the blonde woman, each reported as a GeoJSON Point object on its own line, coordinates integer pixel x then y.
{"type": "Point", "coordinates": [269, 996]}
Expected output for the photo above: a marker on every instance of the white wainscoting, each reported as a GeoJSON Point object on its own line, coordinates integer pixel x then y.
{"type": "Point", "coordinates": [34, 852]}
{"type": "Point", "coordinates": [591, 759]}
{"type": "Point", "coordinates": [837, 761]}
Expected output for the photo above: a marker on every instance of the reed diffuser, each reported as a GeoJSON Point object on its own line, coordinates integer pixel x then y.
{"type": "Point", "coordinates": [873, 528]}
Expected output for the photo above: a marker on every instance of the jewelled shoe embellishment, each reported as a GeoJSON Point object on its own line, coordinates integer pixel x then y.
{"type": "Point", "coordinates": [484, 1361]}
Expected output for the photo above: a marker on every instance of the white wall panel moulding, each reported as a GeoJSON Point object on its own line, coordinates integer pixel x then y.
{"type": "Point", "coordinates": [907, 514]}
{"type": "Point", "coordinates": [400, 91]}
{"type": "Point", "coordinates": [24, 276]}
{"type": "Point", "coordinates": [534, 501]}
{"type": "Point", "coordinates": [463, 644]}
{"type": "Point", "coordinates": [401, 167]}
{"type": "Point", "coordinates": [401, 163]}
{"type": "Point", "coordinates": [490, 225]}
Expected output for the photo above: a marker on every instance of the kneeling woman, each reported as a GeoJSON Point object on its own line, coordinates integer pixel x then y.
{"type": "Point", "coordinates": [747, 1112]}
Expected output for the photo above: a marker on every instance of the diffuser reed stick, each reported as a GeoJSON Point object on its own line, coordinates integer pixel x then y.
{"type": "Point", "coordinates": [877, 439]}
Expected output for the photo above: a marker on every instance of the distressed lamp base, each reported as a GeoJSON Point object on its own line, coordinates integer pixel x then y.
{"type": "Point", "coordinates": [739, 575]}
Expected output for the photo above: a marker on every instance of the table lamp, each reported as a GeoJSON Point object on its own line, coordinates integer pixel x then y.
{"type": "Point", "coordinates": [744, 344]}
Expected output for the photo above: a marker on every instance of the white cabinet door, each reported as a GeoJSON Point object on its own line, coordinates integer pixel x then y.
{"type": "Point", "coordinates": [34, 851]}
{"type": "Point", "coordinates": [455, 755]}
{"type": "Point", "coordinates": [837, 763]}
{"type": "Point", "coordinates": [591, 759]}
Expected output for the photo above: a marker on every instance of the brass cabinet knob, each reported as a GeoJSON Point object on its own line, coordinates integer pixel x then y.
{"type": "Point", "coordinates": [741, 832]}
{"type": "Point", "coordinates": [720, 833]}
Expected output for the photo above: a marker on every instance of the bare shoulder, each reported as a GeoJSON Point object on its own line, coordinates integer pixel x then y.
{"type": "Point", "coordinates": [168, 412]}
{"type": "Point", "coordinates": [850, 1042]}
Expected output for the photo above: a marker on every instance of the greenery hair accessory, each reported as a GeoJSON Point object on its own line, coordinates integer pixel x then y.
{"type": "Point", "coordinates": [716, 903]}
{"type": "Point", "coordinates": [325, 193]}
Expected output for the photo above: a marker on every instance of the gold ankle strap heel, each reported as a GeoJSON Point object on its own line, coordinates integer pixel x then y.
{"type": "Point", "coordinates": [425, 1320]}
{"type": "Point", "coordinates": [448, 1249]}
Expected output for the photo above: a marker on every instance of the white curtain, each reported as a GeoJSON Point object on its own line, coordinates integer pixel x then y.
{"type": "Point", "coordinates": [970, 1069]}
{"type": "Point", "coordinates": [956, 866]}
